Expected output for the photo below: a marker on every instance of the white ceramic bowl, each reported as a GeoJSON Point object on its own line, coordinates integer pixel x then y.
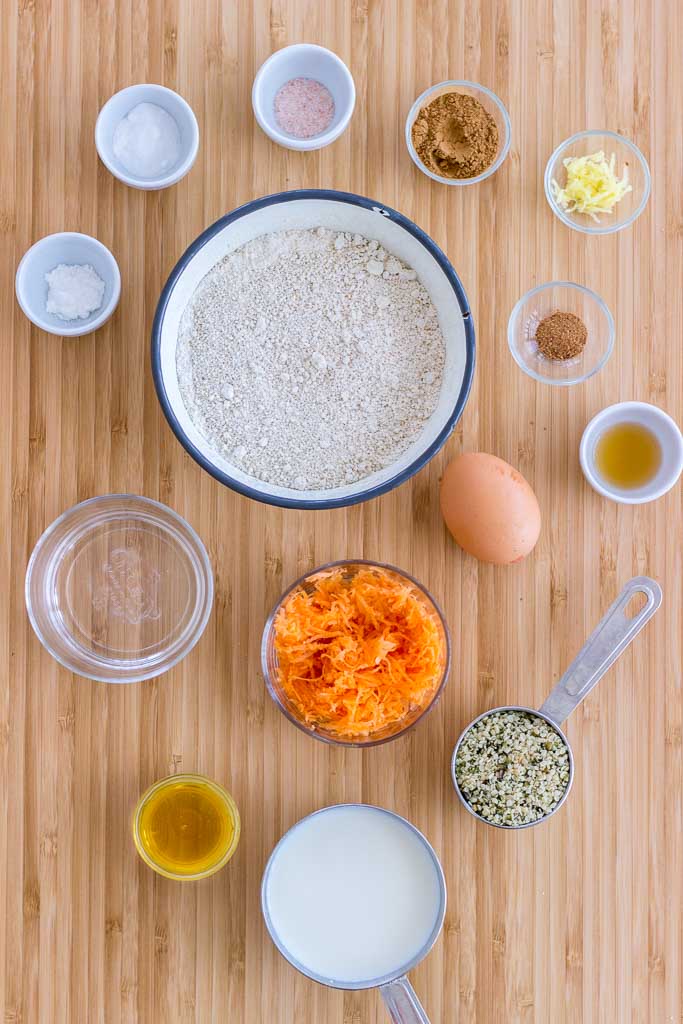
{"type": "Point", "coordinates": [303, 60]}
{"type": "Point", "coordinates": [338, 211]}
{"type": "Point", "coordinates": [67, 247]}
{"type": "Point", "coordinates": [490, 102]}
{"type": "Point", "coordinates": [120, 104]}
{"type": "Point", "coordinates": [662, 426]}
{"type": "Point", "coordinates": [627, 154]}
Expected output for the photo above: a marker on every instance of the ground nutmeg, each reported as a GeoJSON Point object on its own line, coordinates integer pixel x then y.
{"type": "Point", "coordinates": [455, 136]}
{"type": "Point", "coordinates": [561, 336]}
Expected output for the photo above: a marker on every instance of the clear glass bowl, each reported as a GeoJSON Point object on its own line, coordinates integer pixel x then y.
{"type": "Point", "coordinates": [269, 662]}
{"type": "Point", "coordinates": [566, 297]}
{"type": "Point", "coordinates": [231, 812]}
{"type": "Point", "coordinates": [628, 208]}
{"type": "Point", "coordinates": [491, 104]}
{"type": "Point", "coordinates": [119, 588]}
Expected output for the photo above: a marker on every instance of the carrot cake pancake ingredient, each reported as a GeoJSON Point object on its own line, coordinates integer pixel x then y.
{"type": "Point", "coordinates": [512, 768]}
{"type": "Point", "coordinates": [304, 107]}
{"type": "Point", "coordinates": [310, 359]}
{"type": "Point", "coordinates": [358, 652]}
{"type": "Point", "coordinates": [592, 185]}
{"type": "Point", "coordinates": [455, 136]}
{"type": "Point", "coordinates": [73, 291]}
{"type": "Point", "coordinates": [561, 336]}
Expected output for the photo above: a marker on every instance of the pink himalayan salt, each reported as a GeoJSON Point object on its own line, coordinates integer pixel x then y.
{"type": "Point", "coordinates": [303, 107]}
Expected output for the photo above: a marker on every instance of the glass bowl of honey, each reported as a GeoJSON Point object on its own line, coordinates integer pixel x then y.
{"type": "Point", "coordinates": [186, 827]}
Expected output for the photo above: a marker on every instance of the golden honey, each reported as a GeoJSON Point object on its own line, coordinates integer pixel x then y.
{"type": "Point", "coordinates": [186, 826]}
{"type": "Point", "coordinates": [628, 455]}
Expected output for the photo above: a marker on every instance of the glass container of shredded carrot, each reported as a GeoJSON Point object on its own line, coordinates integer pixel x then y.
{"type": "Point", "coordinates": [355, 652]}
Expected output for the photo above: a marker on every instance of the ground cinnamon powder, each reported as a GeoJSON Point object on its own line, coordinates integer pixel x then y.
{"type": "Point", "coordinates": [455, 136]}
{"type": "Point", "coordinates": [561, 336]}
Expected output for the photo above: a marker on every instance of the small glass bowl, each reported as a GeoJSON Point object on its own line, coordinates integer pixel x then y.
{"type": "Point", "coordinates": [119, 588]}
{"type": "Point", "coordinates": [627, 153]}
{"type": "Point", "coordinates": [566, 297]}
{"type": "Point", "coordinates": [229, 805]}
{"type": "Point", "coordinates": [491, 104]}
{"type": "Point", "coordinates": [269, 663]}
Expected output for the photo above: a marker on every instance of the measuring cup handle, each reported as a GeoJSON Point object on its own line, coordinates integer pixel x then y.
{"type": "Point", "coordinates": [603, 647]}
{"type": "Point", "coordinates": [402, 1003]}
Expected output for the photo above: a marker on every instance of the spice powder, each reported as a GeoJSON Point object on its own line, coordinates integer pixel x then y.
{"type": "Point", "coordinates": [455, 136]}
{"type": "Point", "coordinates": [561, 336]}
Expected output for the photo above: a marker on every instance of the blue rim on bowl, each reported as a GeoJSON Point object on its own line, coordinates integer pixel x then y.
{"type": "Point", "coordinates": [423, 458]}
{"type": "Point", "coordinates": [592, 228]}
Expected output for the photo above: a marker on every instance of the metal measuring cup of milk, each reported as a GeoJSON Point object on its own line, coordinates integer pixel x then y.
{"type": "Point", "coordinates": [605, 644]}
{"type": "Point", "coordinates": [398, 995]}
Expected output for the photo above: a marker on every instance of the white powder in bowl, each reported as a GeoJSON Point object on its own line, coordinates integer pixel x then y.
{"type": "Point", "coordinates": [73, 291]}
{"type": "Point", "coordinates": [147, 141]}
{"type": "Point", "coordinates": [310, 358]}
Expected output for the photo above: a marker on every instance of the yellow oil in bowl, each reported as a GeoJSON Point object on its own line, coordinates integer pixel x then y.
{"type": "Point", "coordinates": [186, 827]}
{"type": "Point", "coordinates": [628, 455]}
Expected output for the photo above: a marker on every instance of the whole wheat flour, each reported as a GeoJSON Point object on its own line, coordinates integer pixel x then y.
{"type": "Point", "coordinates": [310, 358]}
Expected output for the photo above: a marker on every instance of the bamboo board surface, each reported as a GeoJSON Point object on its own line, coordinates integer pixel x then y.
{"type": "Point", "coordinates": [580, 920]}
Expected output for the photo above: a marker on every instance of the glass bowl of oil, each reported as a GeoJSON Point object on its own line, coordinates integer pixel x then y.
{"type": "Point", "coordinates": [632, 452]}
{"type": "Point", "coordinates": [561, 297]}
{"type": "Point", "coordinates": [119, 588]}
{"type": "Point", "coordinates": [186, 827]}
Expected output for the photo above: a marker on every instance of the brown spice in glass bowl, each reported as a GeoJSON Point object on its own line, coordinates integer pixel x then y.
{"type": "Point", "coordinates": [561, 336]}
{"type": "Point", "coordinates": [455, 136]}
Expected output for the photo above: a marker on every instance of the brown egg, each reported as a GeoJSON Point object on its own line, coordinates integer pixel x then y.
{"type": "Point", "coordinates": [489, 508]}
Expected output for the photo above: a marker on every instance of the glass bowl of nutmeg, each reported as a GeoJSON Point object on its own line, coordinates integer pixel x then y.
{"type": "Point", "coordinates": [561, 333]}
{"type": "Point", "coordinates": [458, 132]}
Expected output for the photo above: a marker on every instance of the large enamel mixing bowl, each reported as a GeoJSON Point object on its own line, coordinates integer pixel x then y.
{"type": "Point", "coordinates": [338, 211]}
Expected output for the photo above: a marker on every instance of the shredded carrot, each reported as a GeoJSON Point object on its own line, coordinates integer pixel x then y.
{"type": "Point", "coordinates": [358, 652]}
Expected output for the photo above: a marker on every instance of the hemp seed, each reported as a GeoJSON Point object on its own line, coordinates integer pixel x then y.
{"type": "Point", "coordinates": [512, 768]}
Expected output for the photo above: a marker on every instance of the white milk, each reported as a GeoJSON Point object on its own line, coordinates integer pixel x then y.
{"type": "Point", "coordinates": [353, 894]}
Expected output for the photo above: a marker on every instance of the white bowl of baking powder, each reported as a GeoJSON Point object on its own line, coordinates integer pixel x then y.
{"type": "Point", "coordinates": [70, 249]}
{"type": "Point", "coordinates": [301, 211]}
{"type": "Point", "coordinates": [120, 105]}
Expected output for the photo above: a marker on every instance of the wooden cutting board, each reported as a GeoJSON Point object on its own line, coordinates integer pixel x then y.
{"type": "Point", "coordinates": [579, 920]}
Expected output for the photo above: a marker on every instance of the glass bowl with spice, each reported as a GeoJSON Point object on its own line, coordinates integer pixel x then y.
{"type": "Point", "coordinates": [458, 132]}
{"type": "Point", "coordinates": [597, 182]}
{"type": "Point", "coordinates": [355, 653]}
{"type": "Point", "coordinates": [561, 333]}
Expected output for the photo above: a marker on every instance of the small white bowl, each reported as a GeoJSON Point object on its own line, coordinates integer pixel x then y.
{"type": "Point", "coordinates": [665, 430]}
{"type": "Point", "coordinates": [71, 248]}
{"type": "Point", "coordinates": [490, 102]}
{"type": "Point", "coordinates": [303, 60]}
{"type": "Point", "coordinates": [120, 104]}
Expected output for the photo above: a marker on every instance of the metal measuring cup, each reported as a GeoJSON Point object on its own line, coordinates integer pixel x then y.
{"type": "Point", "coordinates": [398, 995]}
{"type": "Point", "coordinates": [605, 644]}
